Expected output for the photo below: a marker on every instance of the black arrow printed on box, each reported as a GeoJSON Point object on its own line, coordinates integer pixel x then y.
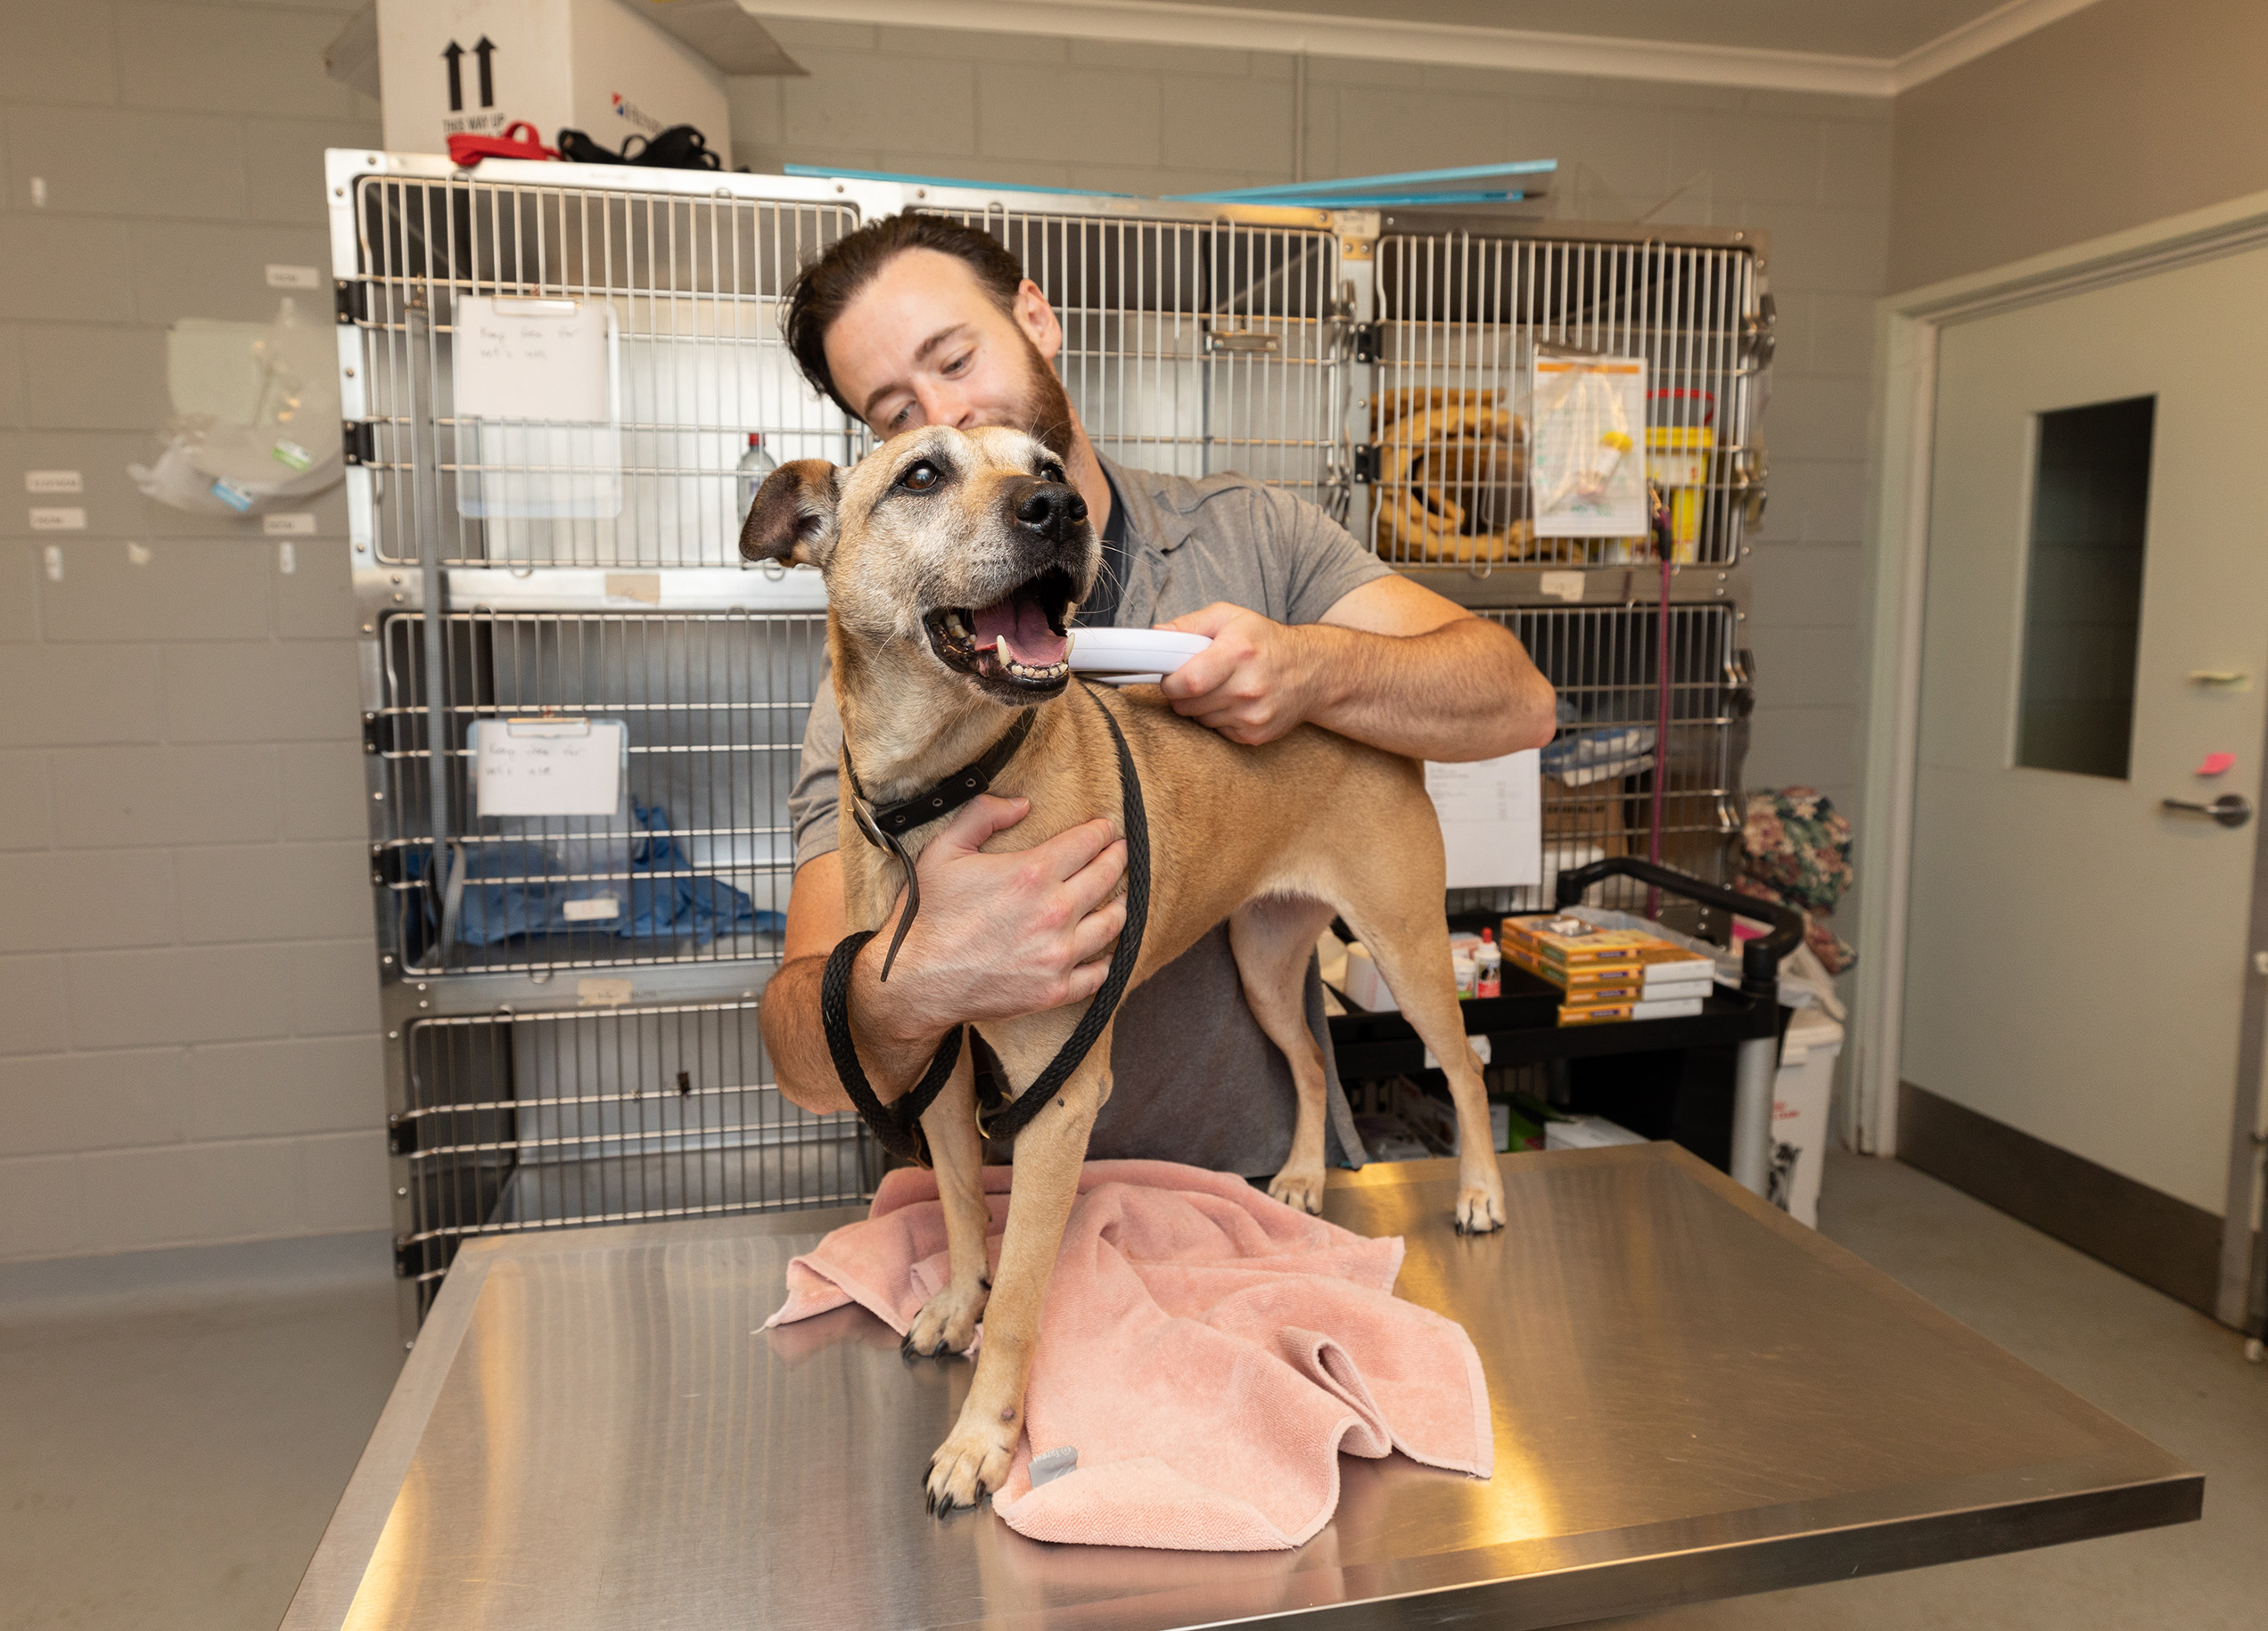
{"type": "Point", "coordinates": [455, 55]}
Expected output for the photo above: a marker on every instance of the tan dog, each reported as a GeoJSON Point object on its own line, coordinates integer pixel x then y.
{"type": "Point", "coordinates": [952, 559]}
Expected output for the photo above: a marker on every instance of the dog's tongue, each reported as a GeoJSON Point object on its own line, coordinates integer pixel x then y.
{"type": "Point", "coordinates": [1020, 629]}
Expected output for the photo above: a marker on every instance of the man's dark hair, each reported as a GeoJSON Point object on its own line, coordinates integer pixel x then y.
{"type": "Point", "coordinates": [822, 289]}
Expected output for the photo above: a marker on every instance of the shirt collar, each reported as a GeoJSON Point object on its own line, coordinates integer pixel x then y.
{"type": "Point", "coordinates": [1150, 518]}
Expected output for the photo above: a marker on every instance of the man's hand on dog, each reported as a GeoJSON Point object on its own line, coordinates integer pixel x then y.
{"type": "Point", "coordinates": [1255, 682]}
{"type": "Point", "coordinates": [1000, 936]}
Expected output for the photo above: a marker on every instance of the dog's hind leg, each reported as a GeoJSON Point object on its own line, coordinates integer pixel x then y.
{"type": "Point", "coordinates": [1412, 948]}
{"type": "Point", "coordinates": [1273, 938]}
{"type": "Point", "coordinates": [947, 1323]}
{"type": "Point", "coordinates": [974, 1457]}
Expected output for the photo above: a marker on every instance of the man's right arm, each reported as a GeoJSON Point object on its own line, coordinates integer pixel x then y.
{"type": "Point", "coordinates": [998, 935]}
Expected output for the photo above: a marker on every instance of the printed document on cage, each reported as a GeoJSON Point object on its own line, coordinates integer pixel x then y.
{"type": "Point", "coordinates": [549, 766]}
{"type": "Point", "coordinates": [1492, 820]}
{"type": "Point", "coordinates": [1587, 462]}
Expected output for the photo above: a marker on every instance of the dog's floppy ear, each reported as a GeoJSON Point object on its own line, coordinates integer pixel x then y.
{"type": "Point", "coordinates": [793, 517]}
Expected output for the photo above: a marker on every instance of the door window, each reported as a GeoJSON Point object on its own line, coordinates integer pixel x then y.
{"type": "Point", "coordinates": [2082, 603]}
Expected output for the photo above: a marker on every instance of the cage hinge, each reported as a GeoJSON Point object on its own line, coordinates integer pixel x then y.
{"type": "Point", "coordinates": [359, 438]}
{"type": "Point", "coordinates": [1365, 463]}
{"type": "Point", "coordinates": [1740, 684]}
{"type": "Point", "coordinates": [371, 724]}
{"type": "Point", "coordinates": [402, 1134]}
{"type": "Point", "coordinates": [350, 300]}
{"type": "Point", "coordinates": [1365, 337]}
{"type": "Point", "coordinates": [405, 1258]}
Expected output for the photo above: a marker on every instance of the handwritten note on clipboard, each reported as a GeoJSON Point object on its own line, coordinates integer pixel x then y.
{"type": "Point", "coordinates": [536, 401]}
{"type": "Point", "coordinates": [1492, 820]}
{"type": "Point", "coordinates": [549, 766]}
{"type": "Point", "coordinates": [546, 360]}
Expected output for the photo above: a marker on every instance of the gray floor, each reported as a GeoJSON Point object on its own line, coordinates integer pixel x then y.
{"type": "Point", "coordinates": [174, 1468]}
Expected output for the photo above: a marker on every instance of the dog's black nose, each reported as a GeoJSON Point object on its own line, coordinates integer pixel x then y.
{"type": "Point", "coordinates": [1051, 509]}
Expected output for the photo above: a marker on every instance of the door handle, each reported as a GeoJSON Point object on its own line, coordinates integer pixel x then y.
{"type": "Point", "coordinates": [2229, 809]}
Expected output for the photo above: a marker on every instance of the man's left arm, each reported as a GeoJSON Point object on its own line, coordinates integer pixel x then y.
{"type": "Point", "coordinates": [1390, 663]}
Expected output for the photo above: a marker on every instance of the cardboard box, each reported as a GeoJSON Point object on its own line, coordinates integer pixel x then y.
{"type": "Point", "coordinates": [1594, 813]}
{"type": "Point", "coordinates": [596, 66]}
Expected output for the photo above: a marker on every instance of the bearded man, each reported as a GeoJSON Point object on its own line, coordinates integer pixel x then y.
{"type": "Point", "coordinates": [917, 320]}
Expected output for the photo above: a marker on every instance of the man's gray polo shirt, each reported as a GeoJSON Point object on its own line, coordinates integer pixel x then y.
{"type": "Point", "coordinates": [1195, 1080]}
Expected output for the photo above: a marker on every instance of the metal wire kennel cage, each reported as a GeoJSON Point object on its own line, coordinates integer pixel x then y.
{"type": "Point", "coordinates": [581, 1115]}
{"type": "Point", "coordinates": [569, 1000]}
{"type": "Point", "coordinates": [1459, 317]}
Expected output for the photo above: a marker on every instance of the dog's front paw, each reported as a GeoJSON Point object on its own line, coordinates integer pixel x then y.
{"type": "Point", "coordinates": [1304, 1190]}
{"type": "Point", "coordinates": [971, 1464]}
{"type": "Point", "coordinates": [947, 1323]}
{"type": "Point", "coordinates": [1480, 1201]}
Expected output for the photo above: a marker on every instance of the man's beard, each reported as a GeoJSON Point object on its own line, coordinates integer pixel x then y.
{"type": "Point", "coordinates": [1044, 409]}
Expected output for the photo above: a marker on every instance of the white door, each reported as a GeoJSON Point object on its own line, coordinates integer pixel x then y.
{"type": "Point", "coordinates": [2096, 627]}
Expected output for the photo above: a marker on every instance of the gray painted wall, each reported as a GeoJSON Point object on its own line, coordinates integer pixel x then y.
{"type": "Point", "coordinates": [187, 1018]}
{"type": "Point", "coordinates": [187, 1015]}
{"type": "Point", "coordinates": [2125, 112]}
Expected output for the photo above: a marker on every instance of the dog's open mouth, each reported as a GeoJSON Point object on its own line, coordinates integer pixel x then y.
{"type": "Point", "coordinates": [1019, 640]}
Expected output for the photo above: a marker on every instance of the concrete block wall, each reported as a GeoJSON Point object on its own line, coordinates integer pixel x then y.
{"type": "Point", "coordinates": [188, 1016]}
{"type": "Point", "coordinates": [187, 995]}
{"type": "Point", "coordinates": [1814, 170]}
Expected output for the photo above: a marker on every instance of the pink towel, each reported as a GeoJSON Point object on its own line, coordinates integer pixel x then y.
{"type": "Point", "coordinates": [1207, 1351]}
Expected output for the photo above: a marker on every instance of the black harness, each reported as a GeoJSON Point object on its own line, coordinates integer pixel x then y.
{"type": "Point", "coordinates": [897, 1125]}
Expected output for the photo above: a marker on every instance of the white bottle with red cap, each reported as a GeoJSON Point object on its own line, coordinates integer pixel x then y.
{"type": "Point", "coordinates": [1488, 969]}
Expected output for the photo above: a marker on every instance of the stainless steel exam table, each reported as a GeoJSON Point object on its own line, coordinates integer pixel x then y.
{"type": "Point", "coordinates": [1693, 1396]}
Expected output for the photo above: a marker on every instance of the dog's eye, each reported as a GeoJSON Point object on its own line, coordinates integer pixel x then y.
{"type": "Point", "coordinates": [1051, 472]}
{"type": "Point", "coordinates": [920, 478]}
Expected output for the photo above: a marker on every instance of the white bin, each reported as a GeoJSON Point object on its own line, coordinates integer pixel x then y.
{"type": "Point", "coordinates": [1800, 1096]}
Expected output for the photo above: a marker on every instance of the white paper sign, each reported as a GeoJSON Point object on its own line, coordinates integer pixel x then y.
{"type": "Point", "coordinates": [1586, 471]}
{"type": "Point", "coordinates": [549, 766]}
{"type": "Point", "coordinates": [1492, 819]}
{"type": "Point", "coordinates": [551, 361]}
{"type": "Point", "coordinates": [538, 393]}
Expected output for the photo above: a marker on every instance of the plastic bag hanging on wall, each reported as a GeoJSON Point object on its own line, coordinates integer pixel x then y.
{"type": "Point", "coordinates": [255, 415]}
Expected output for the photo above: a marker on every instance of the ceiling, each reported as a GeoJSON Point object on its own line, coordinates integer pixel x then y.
{"type": "Point", "coordinates": [1880, 28]}
{"type": "Point", "coordinates": [1851, 47]}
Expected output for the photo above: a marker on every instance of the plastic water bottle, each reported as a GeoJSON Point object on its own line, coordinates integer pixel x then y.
{"type": "Point", "coordinates": [754, 465]}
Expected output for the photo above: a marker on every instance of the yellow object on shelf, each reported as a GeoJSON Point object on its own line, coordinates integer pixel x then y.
{"type": "Point", "coordinates": [1677, 461]}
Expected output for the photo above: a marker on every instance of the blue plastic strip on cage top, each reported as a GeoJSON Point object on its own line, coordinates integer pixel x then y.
{"type": "Point", "coordinates": [1427, 184]}
{"type": "Point", "coordinates": [821, 173]}
{"type": "Point", "coordinates": [1362, 201]}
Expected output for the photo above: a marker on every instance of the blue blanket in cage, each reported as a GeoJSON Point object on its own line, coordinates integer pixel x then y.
{"type": "Point", "coordinates": [525, 886]}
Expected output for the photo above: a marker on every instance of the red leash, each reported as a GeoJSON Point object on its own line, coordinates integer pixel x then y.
{"type": "Point", "coordinates": [466, 150]}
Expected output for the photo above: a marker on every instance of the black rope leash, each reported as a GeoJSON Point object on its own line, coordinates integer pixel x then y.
{"type": "Point", "coordinates": [897, 1126]}
{"type": "Point", "coordinates": [881, 826]}
{"type": "Point", "coordinates": [1019, 1114]}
